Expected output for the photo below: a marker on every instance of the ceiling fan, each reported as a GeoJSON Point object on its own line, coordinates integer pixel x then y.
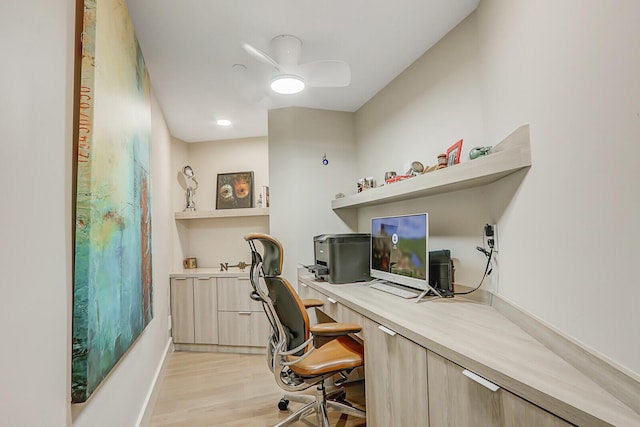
{"type": "Point", "coordinates": [292, 76]}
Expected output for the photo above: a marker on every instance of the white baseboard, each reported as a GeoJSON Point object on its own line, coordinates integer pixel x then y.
{"type": "Point", "coordinates": [144, 419]}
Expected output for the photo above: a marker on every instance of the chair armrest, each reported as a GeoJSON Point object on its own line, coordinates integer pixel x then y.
{"type": "Point", "coordinates": [325, 332]}
{"type": "Point", "coordinates": [312, 302]}
{"type": "Point", "coordinates": [334, 329]}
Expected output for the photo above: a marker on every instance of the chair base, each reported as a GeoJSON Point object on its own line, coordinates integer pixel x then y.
{"type": "Point", "coordinates": [319, 404]}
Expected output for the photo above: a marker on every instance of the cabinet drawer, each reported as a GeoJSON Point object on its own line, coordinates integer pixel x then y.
{"type": "Point", "coordinates": [234, 295]}
{"type": "Point", "coordinates": [245, 328]}
{"type": "Point", "coordinates": [459, 399]}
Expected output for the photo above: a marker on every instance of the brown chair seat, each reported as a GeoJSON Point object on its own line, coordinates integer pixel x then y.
{"type": "Point", "coordinates": [341, 354]}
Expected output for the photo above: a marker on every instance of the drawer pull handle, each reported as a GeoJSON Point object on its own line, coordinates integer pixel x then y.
{"type": "Point", "coordinates": [387, 330]}
{"type": "Point", "coordinates": [179, 278]}
{"type": "Point", "coordinates": [204, 278]}
{"type": "Point", "coordinates": [482, 381]}
{"type": "Point", "coordinates": [245, 313]}
{"type": "Point", "coordinates": [243, 278]}
{"type": "Point", "coordinates": [332, 301]}
{"type": "Point", "coordinates": [303, 284]}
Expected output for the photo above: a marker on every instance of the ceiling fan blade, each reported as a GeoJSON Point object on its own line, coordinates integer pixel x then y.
{"type": "Point", "coordinates": [260, 55]}
{"type": "Point", "coordinates": [327, 73]}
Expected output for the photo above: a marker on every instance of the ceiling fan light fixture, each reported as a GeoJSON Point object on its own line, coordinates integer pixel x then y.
{"type": "Point", "coordinates": [287, 84]}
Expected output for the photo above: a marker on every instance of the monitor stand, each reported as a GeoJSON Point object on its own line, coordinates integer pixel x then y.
{"type": "Point", "coordinates": [431, 289]}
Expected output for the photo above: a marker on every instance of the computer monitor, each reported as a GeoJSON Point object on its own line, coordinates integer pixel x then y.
{"type": "Point", "coordinates": [399, 250]}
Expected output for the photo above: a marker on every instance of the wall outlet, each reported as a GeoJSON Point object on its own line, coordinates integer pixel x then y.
{"type": "Point", "coordinates": [490, 237]}
{"type": "Point", "coordinates": [169, 323]}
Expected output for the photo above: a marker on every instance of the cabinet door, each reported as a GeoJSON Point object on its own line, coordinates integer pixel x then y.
{"type": "Point", "coordinates": [396, 379]}
{"type": "Point", "coordinates": [182, 325]}
{"type": "Point", "coordinates": [243, 328]}
{"type": "Point", "coordinates": [347, 315]}
{"type": "Point", "coordinates": [306, 292]}
{"type": "Point", "coordinates": [205, 308]}
{"type": "Point", "coordinates": [234, 295]}
{"type": "Point", "coordinates": [458, 401]}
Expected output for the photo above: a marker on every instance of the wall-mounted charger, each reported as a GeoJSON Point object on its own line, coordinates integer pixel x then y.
{"type": "Point", "coordinates": [490, 237]}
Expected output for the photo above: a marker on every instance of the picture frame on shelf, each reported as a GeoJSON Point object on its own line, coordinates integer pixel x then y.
{"type": "Point", "coordinates": [234, 190]}
{"type": "Point", "coordinates": [454, 153]}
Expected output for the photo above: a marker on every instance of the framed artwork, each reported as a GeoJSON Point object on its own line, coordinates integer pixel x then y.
{"type": "Point", "coordinates": [234, 190]}
{"type": "Point", "coordinates": [454, 153]}
{"type": "Point", "coordinates": [112, 280]}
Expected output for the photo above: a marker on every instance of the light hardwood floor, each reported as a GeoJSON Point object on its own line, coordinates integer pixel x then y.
{"type": "Point", "coordinates": [230, 390]}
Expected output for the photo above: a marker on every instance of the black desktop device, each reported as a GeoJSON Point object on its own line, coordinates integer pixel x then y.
{"type": "Point", "coordinates": [341, 258]}
{"type": "Point", "coordinates": [441, 270]}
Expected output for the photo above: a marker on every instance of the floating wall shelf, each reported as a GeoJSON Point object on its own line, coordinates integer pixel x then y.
{"type": "Point", "coordinates": [507, 157]}
{"type": "Point", "coordinates": [223, 213]}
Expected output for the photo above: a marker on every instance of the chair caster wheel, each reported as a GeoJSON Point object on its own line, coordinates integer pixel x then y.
{"type": "Point", "coordinates": [283, 404]}
{"type": "Point", "coordinates": [342, 397]}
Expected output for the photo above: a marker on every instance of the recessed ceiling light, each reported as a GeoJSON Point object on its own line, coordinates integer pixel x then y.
{"type": "Point", "coordinates": [287, 84]}
{"type": "Point", "coordinates": [223, 122]}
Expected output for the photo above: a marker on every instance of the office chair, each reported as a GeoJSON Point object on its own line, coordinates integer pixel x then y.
{"type": "Point", "coordinates": [299, 355]}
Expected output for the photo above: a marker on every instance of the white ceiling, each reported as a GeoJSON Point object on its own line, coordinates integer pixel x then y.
{"type": "Point", "coordinates": [190, 47]}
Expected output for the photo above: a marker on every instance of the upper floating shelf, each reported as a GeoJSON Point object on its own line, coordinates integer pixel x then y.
{"type": "Point", "coordinates": [507, 157]}
{"type": "Point", "coordinates": [223, 213]}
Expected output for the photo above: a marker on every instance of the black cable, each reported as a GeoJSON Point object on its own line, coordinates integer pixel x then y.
{"type": "Point", "coordinates": [486, 269]}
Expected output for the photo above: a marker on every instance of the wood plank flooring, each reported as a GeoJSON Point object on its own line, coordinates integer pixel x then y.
{"type": "Point", "coordinates": [230, 390]}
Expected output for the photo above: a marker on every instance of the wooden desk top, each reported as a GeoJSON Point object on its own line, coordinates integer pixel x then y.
{"type": "Point", "coordinates": [479, 338]}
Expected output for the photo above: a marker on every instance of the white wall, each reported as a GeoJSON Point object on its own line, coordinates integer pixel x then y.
{"type": "Point", "coordinates": [430, 106]}
{"type": "Point", "coordinates": [179, 158]}
{"type": "Point", "coordinates": [302, 187]}
{"type": "Point", "coordinates": [36, 83]}
{"type": "Point", "coordinates": [568, 228]}
{"type": "Point", "coordinates": [36, 110]}
{"type": "Point", "coordinates": [569, 236]}
{"type": "Point", "coordinates": [220, 240]}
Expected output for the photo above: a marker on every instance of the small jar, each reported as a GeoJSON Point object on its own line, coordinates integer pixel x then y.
{"type": "Point", "coordinates": [442, 161]}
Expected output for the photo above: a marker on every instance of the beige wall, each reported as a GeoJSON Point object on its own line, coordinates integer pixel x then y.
{"type": "Point", "coordinates": [567, 228]}
{"type": "Point", "coordinates": [179, 158]}
{"type": "Point", "coordinates": [36, 148]}
{"type": "Point", "coordinates": [35, 237]}
{"type": "Point", "coordinates": [426, 109]}
{"type": "Point", "coordinates": [220, 240]}
{"type": "Point", "coordinates": [302, 187]}
{"type": "Point", "coordinates": [570, 233]}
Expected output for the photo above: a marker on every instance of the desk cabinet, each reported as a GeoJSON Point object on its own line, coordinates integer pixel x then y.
{"type": "Point", "coordinates": [242, 321]}
{"type": "Point", "coordinates": [395, 378]}
{"type": "Point", "coordinates": [182, 321]}
{"type": "Point", "coordinates": [216, 314]}
{"type": "Point", "coordinates": [332, 310]}
{"type": "Point", "coordinates": [456, 400]}
{"type": "Point", "coordinates": [193, 310]}
{"type": "Point", "coordinates": [408, 385]}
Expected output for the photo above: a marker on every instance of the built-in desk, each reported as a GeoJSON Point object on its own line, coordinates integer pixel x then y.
{"type": "Point", "coordinates": [415, 355]}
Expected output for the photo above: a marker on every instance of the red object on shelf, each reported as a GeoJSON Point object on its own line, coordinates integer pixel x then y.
{"type": "Point", "coordinates": [398, 178]}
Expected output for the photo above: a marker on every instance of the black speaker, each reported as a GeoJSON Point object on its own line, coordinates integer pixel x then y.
{"type": "Point", "coordinates": [441, 270]}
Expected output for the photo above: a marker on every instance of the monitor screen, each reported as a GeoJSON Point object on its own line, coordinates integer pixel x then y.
{"type": "Point", "coordinates": [399, 250]}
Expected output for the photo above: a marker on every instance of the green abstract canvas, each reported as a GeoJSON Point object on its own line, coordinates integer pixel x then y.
{"type": "Point", "coordinates": [112, 273]}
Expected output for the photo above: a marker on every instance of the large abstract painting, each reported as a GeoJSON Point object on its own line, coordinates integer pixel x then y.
{"type": "Point", "coordinates": [112, 274]}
